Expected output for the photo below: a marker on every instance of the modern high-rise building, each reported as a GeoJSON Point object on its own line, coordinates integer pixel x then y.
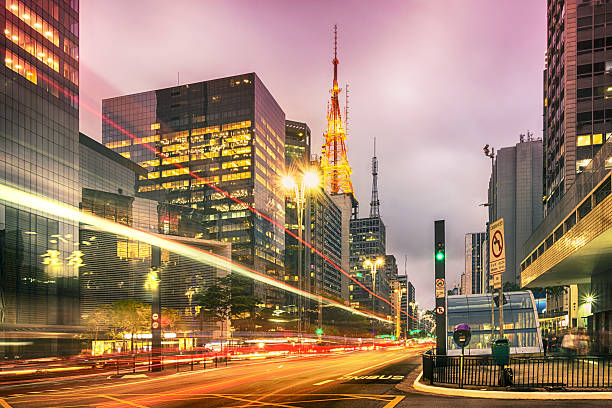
{"type": "Point", "coordinates": [368, 241]}
{"type": "Point", "coordinates": [297, 142]}
{"type": "Point", "coordinates": [473, 262]}
{"type": "Point", "coordinates": [116, 267]}
{"type": "Point", "coordinates": [322, 225]}
{"type": "Point", "coordinates": [407, 304]}
{"type": "Point", "coordinates": [39, 146]}
{"type": "Point", "coordinates": [206, 141]}
{"type": "Point", "coordinates": [516, 191]}
{"type": "Point", "coordinates": [577, 108]}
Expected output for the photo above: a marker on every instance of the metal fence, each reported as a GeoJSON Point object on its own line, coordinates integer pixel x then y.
{"type": "Point", "coordinates": [574, 372]}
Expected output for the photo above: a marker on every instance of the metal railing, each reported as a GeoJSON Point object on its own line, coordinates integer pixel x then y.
{"type": "Point", "coordinates": [568, 373]}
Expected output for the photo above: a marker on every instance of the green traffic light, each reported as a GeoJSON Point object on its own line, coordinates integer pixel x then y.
{"type": "Point", "coordinates": [440, 256]}
{"type": "Point", "coordinates": [319, 332]}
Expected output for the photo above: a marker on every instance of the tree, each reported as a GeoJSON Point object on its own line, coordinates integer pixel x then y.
{"type": "Point", "coordinates": [511, 287]}
{"type": "Point", "coordinates": [129, 316]}
{"type": "Point", "coordinates": [227, 297]}
{"type": "Point", "coordinates": [98, 320]}
{"type": "Point", "coordinates": [170, 319]}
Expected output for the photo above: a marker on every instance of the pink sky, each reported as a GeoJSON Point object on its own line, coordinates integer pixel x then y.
{"type": "Point", "coordinates": [433, 81]}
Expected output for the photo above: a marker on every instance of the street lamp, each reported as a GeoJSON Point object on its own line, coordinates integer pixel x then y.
{"type": "Point", "coordinates": [373, 266]}
{"type": "Point", "coordinates": [492, 217]}
{"type": "Point", "coordinates": [398, 300]}
{"type": "Point", "coordinates": [413, 306]}
{"type": "Point", "coordinates": [309, 180]}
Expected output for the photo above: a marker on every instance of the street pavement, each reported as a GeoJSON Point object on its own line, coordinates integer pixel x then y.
{"type": "Point", "coordinates": [351, 380]}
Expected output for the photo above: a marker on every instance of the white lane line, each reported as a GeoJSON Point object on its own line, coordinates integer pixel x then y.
{"type": "Point", "coordinates": [323, 382]}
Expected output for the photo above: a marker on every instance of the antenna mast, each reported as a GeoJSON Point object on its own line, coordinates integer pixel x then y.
{"type": "Point", "coordinates": [374, 204]}
{"type": "Point", "coordinates": [346, 111]}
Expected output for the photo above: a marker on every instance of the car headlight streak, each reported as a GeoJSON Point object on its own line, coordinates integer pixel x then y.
{"type": "Point", "coordinates": [24, 199]}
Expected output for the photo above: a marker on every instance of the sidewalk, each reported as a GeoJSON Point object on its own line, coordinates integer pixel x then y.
{"type": "Point", "coordinates": [412, 384]}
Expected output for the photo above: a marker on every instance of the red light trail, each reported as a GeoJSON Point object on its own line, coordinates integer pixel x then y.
{"type": "Point", "coordinates": [226, 194]}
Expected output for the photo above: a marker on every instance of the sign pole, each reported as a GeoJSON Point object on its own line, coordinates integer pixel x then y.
{"type": "Point", "coordinates": [156, 330]}
{"type": "Point", "coordinates": [440, 276]}
{"type": "Point", "coordinates": [497, 267]}
{"type": "Point", "coordinates": [461, 367]}
{"type": "Point", "coordinates": [501, 313]}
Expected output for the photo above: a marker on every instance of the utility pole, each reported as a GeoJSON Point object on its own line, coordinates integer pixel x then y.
{"type": "Point", "coordinates": [156, 330]}
{"type": "Point", "coordinates": [440, 286]}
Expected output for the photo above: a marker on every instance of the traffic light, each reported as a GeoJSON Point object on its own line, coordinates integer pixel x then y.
{"type": "Point", "coordinates": [440, 255]}
{"type": "Point", "coordinates": [319, 332]}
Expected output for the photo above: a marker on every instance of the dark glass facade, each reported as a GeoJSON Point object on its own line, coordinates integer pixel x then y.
{"type": "Point", "coordinates": [39, 142]}
{"type": "Point", "coordinates": [228, 133]}
{"type": "Point", "coordinates": [297, 142]}
{"type": "Point", "coordinates": [116, 267]}
{"type": "Point", "coordinates": [577, 106]}
{"type": "Point", "coordinates": [367, 241]}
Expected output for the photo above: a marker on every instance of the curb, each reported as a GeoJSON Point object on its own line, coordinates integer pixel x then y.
{"type": "Point", "coordinates": [536, 395]}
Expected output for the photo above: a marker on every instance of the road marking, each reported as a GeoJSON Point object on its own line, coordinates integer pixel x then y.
{"type": "Point", "coordinates": [394, 401]}
{"type": "Point", "coordinates": [4, 404]}
{"type": "Point", "coordinates": [375, 365]}
{"type": "Point", "coordinates": [323, 382]}
{"type": "Point", "coordinates": [122, 401]}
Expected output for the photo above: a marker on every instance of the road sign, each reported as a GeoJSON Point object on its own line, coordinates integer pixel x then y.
{"type": "Point", "coordinates": [155, 316]}
{"type": "Point", "coordinates": [440, 310]}
{"type": "Point", "coordinates": [496, 281]}
{"type": "Point", "coordinates": [440, 288]}
{"type": "Point", "coordinates": [497, 248]}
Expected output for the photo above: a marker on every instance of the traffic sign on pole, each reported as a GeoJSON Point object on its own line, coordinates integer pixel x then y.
{"type": "Point", "coordinates": [440, 288]}
{"type": "Point", "coordinates": [497, 248]}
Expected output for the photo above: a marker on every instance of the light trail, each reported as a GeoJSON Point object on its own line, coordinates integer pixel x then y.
{"type": "Point", "coordinates": [161, 155]}
{"type": "Point", "coordinates": [24, 199]}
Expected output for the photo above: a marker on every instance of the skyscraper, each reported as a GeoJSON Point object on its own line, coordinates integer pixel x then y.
{"type": "Point", "coordinates": [577, 109]}
{"type": "Point", "coordinates": [368, 241]}
{"type": "Point", "coordinates": [39, 145]}
{"type": "Point", "coordinates": [322, 223]}
{"type": "Point", "coordinates": [203, 141]}
{"type": "Point", "coordinates": [517, 198]}
{"type": "Point", "coordinates": [473, 263]}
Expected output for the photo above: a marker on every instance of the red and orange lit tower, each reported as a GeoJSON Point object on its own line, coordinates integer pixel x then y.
{"type": "Point", "coordinates": [336, 169]}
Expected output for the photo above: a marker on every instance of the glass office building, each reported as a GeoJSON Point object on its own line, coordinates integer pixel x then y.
{"type": "Point", "coordinates": [115, 267]}
{"type": "Point", "coordinates": [521, 325]}
{"type": "Point", "coordinates": [367, 241]}
{"type": "Point", "coordinates": [38, 154]}
{"type": "Point", "coordinates": [197, 139]}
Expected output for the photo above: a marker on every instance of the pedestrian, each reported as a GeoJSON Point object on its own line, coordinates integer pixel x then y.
{"type": "Point", "coordinates": [545, 345]}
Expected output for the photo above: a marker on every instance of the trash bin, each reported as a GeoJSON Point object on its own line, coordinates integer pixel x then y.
{"type": "Point", "coordinates": [500, 349]}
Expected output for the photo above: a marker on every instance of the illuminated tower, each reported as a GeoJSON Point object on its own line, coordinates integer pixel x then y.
{"type": "Point", "coordinates": [336, 169]}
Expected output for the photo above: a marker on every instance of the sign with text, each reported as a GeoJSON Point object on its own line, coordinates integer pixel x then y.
{"type": "Point", "coordinates": [496, 281]}
{"type": "Point", "coordinates": [440, 288]}
{"type": "Point", "coordinates": [497, 248]}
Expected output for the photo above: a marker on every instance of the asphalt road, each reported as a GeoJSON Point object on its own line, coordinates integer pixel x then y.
{"type": "Point", "coordinates": [352, 380]}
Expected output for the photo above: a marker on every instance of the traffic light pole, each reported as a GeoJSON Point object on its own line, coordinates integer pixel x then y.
{"type": "Point", "coordinates": [156, 330]}
{"type": "Point", "coordinates": [440, 276]}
